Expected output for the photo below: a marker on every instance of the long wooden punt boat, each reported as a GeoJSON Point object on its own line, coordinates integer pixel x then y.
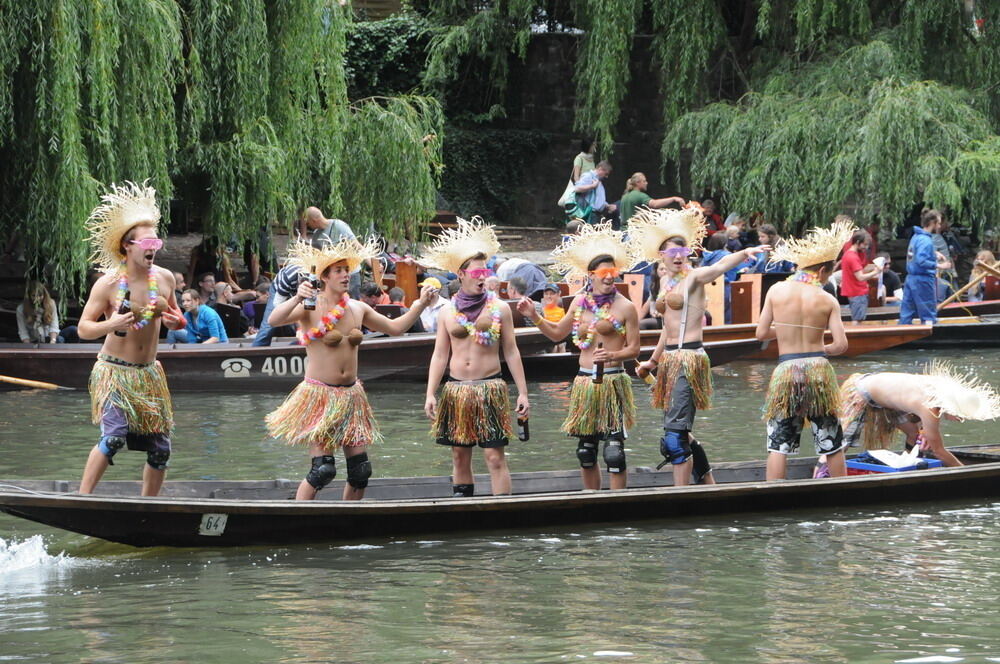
{"type": "Point", "coordinates": [237, 366]}
{"type": "Point", "coordinates": [221, 513]}
{"type": "Point", "coordinates": [955, 309]}
{"type": "Point", "coordinates": [962, 331]}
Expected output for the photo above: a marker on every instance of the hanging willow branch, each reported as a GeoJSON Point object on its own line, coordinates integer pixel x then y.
{"type": "Point", "coordinates": [859, 128]}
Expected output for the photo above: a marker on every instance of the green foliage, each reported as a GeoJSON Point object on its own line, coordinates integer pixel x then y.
{"type": "Point", "coordinates": [681, 59]}
{"type": "Point", "coordinates": [858, 127]}
{"type": "Point", "coordinates": [484, 169]}
{"type": "Point", "coordinates": [387, 56]}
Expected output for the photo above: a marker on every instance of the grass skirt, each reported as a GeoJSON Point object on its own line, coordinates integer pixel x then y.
{"type": "Point", "coordinates": [139, 391]}
{"type": "Point", "coordinates": [697, 369]}
{"type": "Point", "coordinates": [878, 424]}
{"type": "Point", "coordinates": [803, 387]}
{"type": "Point", "coordinates": [600, 408]}
{"type": "Point", "coordinates": [473, 411]}
{"type": "Point", "coordinates": [328, 416]}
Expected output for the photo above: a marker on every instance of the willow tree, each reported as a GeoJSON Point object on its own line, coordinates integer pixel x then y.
{"type": "Point", "coordinates": [241, 103]}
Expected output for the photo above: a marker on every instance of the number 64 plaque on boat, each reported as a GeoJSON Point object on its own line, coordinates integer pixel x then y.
{"type": "Point", "coordinates": [213, 524]}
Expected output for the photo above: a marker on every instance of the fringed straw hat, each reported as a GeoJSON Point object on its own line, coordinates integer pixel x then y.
{"type": "Point", "coordinates": [648, 229]}
{"type": "Point", "coordinates": [315, 260]}
{"type": "Point", "coordinates": [573, 256]}
{"type": "Point", "coordinates": [961, 395]}
{"type": "Point", "coordinates": [121, 210]}
{"type": "Point", "coordinates": [818, 246]}
{"type": "Point", "coordinates": [456, 245]}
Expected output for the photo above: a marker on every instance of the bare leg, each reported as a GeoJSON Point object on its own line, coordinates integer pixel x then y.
{"type": "Point", "coordinates": [836, 463]}
{"type": "Point", "coordinates": [152, 480]}
{"type": "Point", "coordinates": [496, 461]}
{"type": "Point", "coordinates": [776, 466]}
{"type": "Point", "coordinates": [709, 478]}
{"type": "Point", "coordinates": [591, 477]}
{"type": "Point", "coordinates": [682, 472]}
{"type": "Point", "coordinates": [97, 463]}
{"type": "Point", "coordinates": [351, 493]}
{"type": "Point", "coordinates": [461, 465]}
{"type": "Point", "coordinates": [619, 480]}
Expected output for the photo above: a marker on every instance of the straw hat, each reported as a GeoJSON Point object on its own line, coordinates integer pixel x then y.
{"type": "Point", "coordinates": [818, 246]}
{"type": "Point", "coordinates": [648, 229]}
{"type": "Point", "coordinates": [456, 245]}
{"type": "Point", "coordinates": [574, 255]}
{"type": "Point", "coordinates": [121, 210]}
{"type": "Point", "coordinates": [315, 260]}
{"type": "Point", "coordinates": [961, 395]}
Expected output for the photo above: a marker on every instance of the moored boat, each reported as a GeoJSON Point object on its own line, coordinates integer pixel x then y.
{"type": "Point", "coordinates": [233, 513]}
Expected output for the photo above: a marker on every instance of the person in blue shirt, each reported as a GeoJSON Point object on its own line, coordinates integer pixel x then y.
{"type": "Point", "coordinates": [768, 234]}
{"type": "Point", "coordinates": [204, 325]}
{"type": "Point", "coordinates": [922, 263]}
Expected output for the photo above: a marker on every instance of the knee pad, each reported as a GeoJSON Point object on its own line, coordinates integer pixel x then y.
{"type": "Point", "coordinates": [324, 469]}
{"type": "Point", "coordinates": [614, 456]}
{"type": "Point", "coordinates": [586, 451]}
{"type": "Point", "coordinates": [359, 469]}
{"type": "Point", "coordinates": [701, 465]}
{"type": "Point", "coordinates": [675, 447]}
{"type": "Point", "coordinates": [157, 459]}
{"type": "Point", "coordinates": [109, 446]}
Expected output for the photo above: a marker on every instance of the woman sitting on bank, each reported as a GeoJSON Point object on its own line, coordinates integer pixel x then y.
{"type": "Point", "coordinates": [37, 320]}
{"type": "Point", "coordinates": [204, 324]}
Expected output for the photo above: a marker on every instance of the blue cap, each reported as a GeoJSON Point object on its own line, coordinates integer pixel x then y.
{"type": "Point", "coordinates": [551, 287]}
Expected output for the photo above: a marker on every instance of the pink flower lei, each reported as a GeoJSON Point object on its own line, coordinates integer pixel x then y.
{"type": "Point", "coordinates": [482, 338]}
{"type": "Point", "coordinates": [327, 322]}
{"type": "Point", "coordinates": [599, 313]}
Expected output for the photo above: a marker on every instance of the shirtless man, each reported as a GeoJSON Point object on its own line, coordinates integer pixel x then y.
{"type": "Point", "coordinates": [683, 371]}
{"type": "Point", "coordinates": [128, 390]}
{"type": "Point", "coordinates": [474, 407]}
{"type": "Point", "coordinates": [329, 410]}
{"type": "Point", "coordinates": [606, 330]}
{"type": "Point", "coordinates": [875, 405]}
{"type": "Point", "coordinates": [797, 312]}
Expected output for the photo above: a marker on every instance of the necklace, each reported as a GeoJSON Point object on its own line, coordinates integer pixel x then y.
{"type": "Point", "coordinates": [672, 282]}
{"type": "Point", "coordinates": [483, 338]}
{"type": "Point", "coordinates": [327, 322]}
{"type": "Point", "coordinates": [806, 278]}
{"type": "Point", "coordinates": [151, 296]}
{"type": "Point", "coordinates": [599, 313]}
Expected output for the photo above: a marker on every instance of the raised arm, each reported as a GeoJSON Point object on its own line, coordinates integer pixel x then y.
{"type": "Point", "coordinates": [291, 310]}
{"type": "Point", "coordinates": [513, 357]}
{"type": "Point", "coordinates": [705, 275]}
{"type": "Point", "coordinates": [373, 320]}
{"type": "Point", "coordinates": [554, 331]}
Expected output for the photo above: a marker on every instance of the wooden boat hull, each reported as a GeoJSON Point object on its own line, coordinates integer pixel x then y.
{"type": "Point", "coordinates": [214, 514]}
{"type": "Point", "coordinates": [237, 366]}
{"type": "Point", "coordinates": [967, 331]}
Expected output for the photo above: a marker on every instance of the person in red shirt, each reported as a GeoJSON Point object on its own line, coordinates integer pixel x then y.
{"type": "Point", "coordinates": [855, 275]}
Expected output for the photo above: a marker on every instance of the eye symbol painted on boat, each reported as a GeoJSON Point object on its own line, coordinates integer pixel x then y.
{"type": "Point", "coordinates": [236, 367]}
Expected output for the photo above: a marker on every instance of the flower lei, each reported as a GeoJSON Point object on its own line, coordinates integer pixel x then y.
{"type": "Point", "coordinates": [327, 322]}
{"type": "Point", "coordinates": [671, 284]}
{"type": "Point", "coordinates": [152, 295]}
{"type": "Point", "coordinates": [806, 278]}
{"type": "Point", "coordinates": [482, 338]}
{"type": "Point", "coordinates": [599, 313]}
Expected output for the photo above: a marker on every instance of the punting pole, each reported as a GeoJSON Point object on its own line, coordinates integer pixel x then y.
{"type": "Point", "coordinates": [987, 271]}
{"type": "Point", "coordinates": [37, 384]}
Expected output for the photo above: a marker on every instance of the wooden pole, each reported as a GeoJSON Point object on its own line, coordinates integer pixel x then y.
{"type": "Point", "coordinates": [987, 271]}
{"type": "Point", "coordinates": [37, 384]}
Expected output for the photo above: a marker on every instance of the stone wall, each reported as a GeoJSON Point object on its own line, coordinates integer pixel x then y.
{"type": "Point", "coordinates": [542, 96]}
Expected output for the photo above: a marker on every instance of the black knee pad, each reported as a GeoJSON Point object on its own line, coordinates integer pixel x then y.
{"type": "Point", "coordinates": [701, 466]}
{"type": "Point", "coordinates": [586, 451]}
{"type": "Point", "coordinates": [324, 469]}
{"type": "Point", "coordinates": [157, 459]}
{"type": "Point", "coordinates": [359, 469]}
{"type": "Point", "coordinates": [614, 456]}
{"type": "Point", "coordinates": [109, 446]}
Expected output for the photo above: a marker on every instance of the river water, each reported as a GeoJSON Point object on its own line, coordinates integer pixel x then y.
{"type": "Point", "coordinates": [898, 583]}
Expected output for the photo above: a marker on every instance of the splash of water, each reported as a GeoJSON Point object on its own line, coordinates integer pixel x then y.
{"type": "Point", "coordinates": [30, 553]}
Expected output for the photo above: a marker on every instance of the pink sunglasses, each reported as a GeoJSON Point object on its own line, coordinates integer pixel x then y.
{"type": "Point", "coordinates": [149, 243]}
{"type": "Point", "coordinates": [676, 252]}
{"type": "Point", "coordinates": [480, 273]}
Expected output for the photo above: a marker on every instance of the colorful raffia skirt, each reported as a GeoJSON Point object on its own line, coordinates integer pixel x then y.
{"type": "Point", "coordinates": [326, 415]}
{"type": "Point", "coordinates": [596, 408]}
{"type": "Point", "coordinates": [696, 367]}
{"type": "Point", "coordinates": [138, 390]}
{"type": "Point", "coordinates": [802, 387]}
{"type": "Point", "coordinates": [878, 425]}
{"type": "Point", "coordinates": [473, 411]}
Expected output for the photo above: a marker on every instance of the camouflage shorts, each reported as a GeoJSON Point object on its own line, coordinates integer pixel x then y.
{"type": "Point", "coordinates": [783, 434]}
